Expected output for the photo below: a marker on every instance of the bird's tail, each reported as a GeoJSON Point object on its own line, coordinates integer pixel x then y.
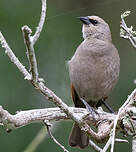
{"type": "Point", "coordinates": [78, 138]}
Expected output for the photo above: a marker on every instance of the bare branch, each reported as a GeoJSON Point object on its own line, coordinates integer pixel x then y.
{"type": "Point", "coordinates": [107, 145]}
{"type": "Point", "coordinates": [23, 118]}
{"type": "Point", "coordinates": [48, 125]}
{"type": "Point", "coordinates": [126, 32]}
{"type": "Point", "coordinates": [121, 140]}
{"type": "Point", "coordinates": [41, 22]}
{"type": "Point", "coordinates": [31, 40]}
{"type": "Point", "coordinates": [13, 58]}
{"type": "Point", "coordinates": [30, 52]}
{"type": "Point", "coordinates": [94, 146]}
{"type": "Point", "coordinates": [122, 108]}
{"type": "Point", "coordinates": [41, 135]}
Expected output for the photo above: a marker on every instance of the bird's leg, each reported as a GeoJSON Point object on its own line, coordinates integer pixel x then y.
{"type": "Point", "coordinates": [89, 108]}
{"type": "Point", "coordinates": [107, 106]}
{"type": "Point", "coordinates": [102, 102]}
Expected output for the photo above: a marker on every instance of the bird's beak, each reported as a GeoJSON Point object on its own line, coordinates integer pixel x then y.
{"type": "Point", "coordinates": [85, 20]}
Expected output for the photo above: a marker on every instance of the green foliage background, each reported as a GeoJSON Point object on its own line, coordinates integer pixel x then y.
{"type": "Point", "coordinates": [60, 37]}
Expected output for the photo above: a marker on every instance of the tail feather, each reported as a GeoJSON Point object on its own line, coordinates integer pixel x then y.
{"type": "Point", "coordinates": [78, 138]}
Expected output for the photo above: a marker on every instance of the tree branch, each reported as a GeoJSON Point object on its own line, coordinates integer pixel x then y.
{"type": "Point", "coordinates": [23, 118]}
{"type": "Point", "coordinates": [13, 58]}
{"type": "Point", "coordinates": [41, 23]}
{"type": "Point", "coordinates": [48, 125]}
{"type": "Point", "coordinates": [31, 40]}
{"type": "Point", "coordinates": [125, 31]}
{"type": "Point", "coordinates": [30, 52]}
{"type": "Point", "coordinates": [122, 108]}
{"type": "Point", "coordinates": [92, 144]}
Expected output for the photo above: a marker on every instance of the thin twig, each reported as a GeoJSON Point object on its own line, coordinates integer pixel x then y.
{"type": "Point", "coordinates": [94, 146]}
{"type": "Point", "coordinates": [30, 52]}
{"type": "Point", "coordinates": [117, 118]}
{"type": "Point", "coordinates": [107, 145]}
{"type": "Point", "coordinates": [41, 136]}
{"type": "Point", "coordinates": [31, 40]}
{"type": "Point", "coordinates": [129, 32]}
{"type": "Point", "coordinates": [13, 58]}
{"type": "Point", "coordinates": [48, 125]}
{"type": "Point", "coordinates": [41, 23]}
{"type": "Point", "coordinates": [121, 140]}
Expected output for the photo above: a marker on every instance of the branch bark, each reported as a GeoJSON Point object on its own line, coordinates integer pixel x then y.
{"type": "Point", "coordinates": [30, 52]}
{"type": "Point", "coordinates": [127, 32]}
{"type": "Point", "coordinates": [23, 118]}
{"type": "Point", "coordinates": [41, 23]}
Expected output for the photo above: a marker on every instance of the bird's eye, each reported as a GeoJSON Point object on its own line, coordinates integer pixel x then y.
{"type": "Point", "coordinates": [94, 22]}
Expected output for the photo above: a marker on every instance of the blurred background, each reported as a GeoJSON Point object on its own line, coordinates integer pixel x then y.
{"type": "Point", "coordinates": [59, 39]}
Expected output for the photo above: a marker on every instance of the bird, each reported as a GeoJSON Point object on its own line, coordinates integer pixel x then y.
{"type": "Point", "coordinates": [93, 71]}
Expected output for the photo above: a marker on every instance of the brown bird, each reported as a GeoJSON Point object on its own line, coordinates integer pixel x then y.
{"type": "Point", "coordinates": [94, 70]}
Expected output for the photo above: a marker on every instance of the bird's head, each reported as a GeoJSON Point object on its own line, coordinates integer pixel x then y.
{"type": "Point", "coordinates": [95, 27]}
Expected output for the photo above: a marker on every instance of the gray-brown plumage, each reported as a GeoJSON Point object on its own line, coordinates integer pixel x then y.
{"type": "Point", "coordinates": [94, 70]}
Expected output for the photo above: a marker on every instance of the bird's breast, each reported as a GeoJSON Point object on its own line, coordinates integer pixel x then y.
{"type": "Point", "coordinates": [94, 76]}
